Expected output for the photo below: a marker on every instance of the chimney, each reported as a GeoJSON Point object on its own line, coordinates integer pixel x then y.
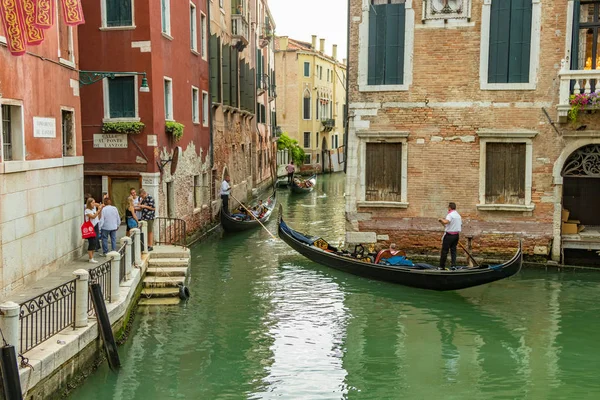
{"type": "Point", "coordinates": [283, 43]}
{"type": "Point", "coordinates": [314, 42]}
{"type": "Point", "coordinates": [322, 46]}
{"type": "Point", "coordinates": [334, 52]}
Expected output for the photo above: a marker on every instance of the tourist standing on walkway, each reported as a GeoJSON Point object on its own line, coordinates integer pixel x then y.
{"type": "Point", "coordinates": [225, 191]}
{"type": "Point", "coordinates": [290, 171]}
{"type": "Point", "coordinates": [148, 211]}
{"type": "Point", "coordinates": [453, 226]}
{"type": "Point", "coordinates": [92, 214]}
{"type": "Point", "coordinates": [136, 203]}
{"type": "Point", "coordinates": [112, 220]}
{"type": "Point", "coordinates": [131, 218]}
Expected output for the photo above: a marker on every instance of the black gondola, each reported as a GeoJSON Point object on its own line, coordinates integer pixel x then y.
{"type": "Point", "coordinates": [421, 276]}
{"type": "Point", "coordinates": [232, 224]}
{"type": "Point", "coordinates": [297, 189]}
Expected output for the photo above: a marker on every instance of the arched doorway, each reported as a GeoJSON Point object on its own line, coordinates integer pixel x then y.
{"type": "Point", "coordinates": [324, 154]}
{"type": "Point", "coordinates": [580, 197]}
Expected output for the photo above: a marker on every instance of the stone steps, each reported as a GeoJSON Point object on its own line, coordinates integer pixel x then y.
{"type": "Point", "coordinates": [169, 252]}
{"type": "Point", "coordinates": [169, 262]}
{"type": "Point", "coordinates": [160, 292]}
{"type": "Point", "coordinates": [159, 301]}
{"type": "Point", "coordinates": [163, 281]}
{"type": "Point", "coordinates": [167, 271]}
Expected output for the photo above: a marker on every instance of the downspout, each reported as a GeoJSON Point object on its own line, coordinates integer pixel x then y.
{"type": "Point", "coordinates": [347, 118]}
{"type": "Point", "coordinates": [210, 106]}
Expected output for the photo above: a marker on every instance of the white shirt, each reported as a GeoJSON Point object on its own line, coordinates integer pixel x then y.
{"type": "Point", "coordinates": [136, 202]}
{"type": "Point", "coordinates": [111, 218]}
{"type": "Point", "coordinates": [225, 188]}
{"type": "Point", "coordinates": [89, 213]}
{"type": "Point", "coordinates": [455, 224]}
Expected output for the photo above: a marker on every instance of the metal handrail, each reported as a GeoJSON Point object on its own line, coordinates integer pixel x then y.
{"type": "Point", "coordinates": [171, 231]}
{"type": "Point", "coordinates": [46, 315]}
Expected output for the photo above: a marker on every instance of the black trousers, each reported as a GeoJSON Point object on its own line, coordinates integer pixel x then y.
{"type": "Point", "coordinates": [290, 177]}
{"type": "Point", "coordinates": [225, 200]}
{"type": "Point", "coordinates": [449, 242]}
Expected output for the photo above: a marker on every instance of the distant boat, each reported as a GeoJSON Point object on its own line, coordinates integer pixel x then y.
{"type": "Point", "coordinates": [304, 186]}
{"type": "Point", "coordinates": [423, 276]}
{"type": "Point", "coordinates": [231, 223]}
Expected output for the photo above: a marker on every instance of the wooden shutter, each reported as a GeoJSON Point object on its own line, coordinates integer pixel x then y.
{"type": "Point", "coordinates": [118, 13]}
{"type": "Point", "coordinates": [394, 44]}
{"type": "Point", "coordinates": [505, 173]}
{"type": "Point", "coordinates": [258, 69]}
{"type": "Point", "coordinates": [226, 76]}
{"type": "Point", "coordinates": [215, 87]}
{"type": "Point", "coordinates": [243, 68]}
{"type": "Point", "coordinates": [251, 89]}
{"type": "Point", "coordinates": [499, 42]}
{"type": "Point", "coordinates": [383, 172]}
{"type": "Point", "coordinates": [520, 41]}
{"type": "Point", "coordinates": [234, 77]}
{"type": "Point", "coordinates": [122, 97]}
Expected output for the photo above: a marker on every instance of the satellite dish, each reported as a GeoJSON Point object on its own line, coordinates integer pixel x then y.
{"type": "Point", "coordinates": [175, 159]}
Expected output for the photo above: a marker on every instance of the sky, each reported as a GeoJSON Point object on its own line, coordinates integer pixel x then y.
{"type": "Point", "coordinates": [300, 19]}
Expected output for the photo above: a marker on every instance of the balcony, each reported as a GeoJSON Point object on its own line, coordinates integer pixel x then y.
{"type": "Point", "coordinates": [240, 28]}
{"type": "Point", "coordinates": [574, 82]}
{"type": "Point", "coordinates": [328, 124]}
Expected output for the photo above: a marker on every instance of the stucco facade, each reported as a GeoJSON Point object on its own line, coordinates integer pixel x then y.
{"type": "Point", "coordinates": [447, 114]}
{"type": "Point", "coordinates": [41, 163]}
{"type": "Point", "coordinates": [311, 101]}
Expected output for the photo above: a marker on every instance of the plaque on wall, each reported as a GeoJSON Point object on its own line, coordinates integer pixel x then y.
{"type": "Point", "coordinates": [110, 140]}
{"type": "Point", "coordinates": [44, 127]}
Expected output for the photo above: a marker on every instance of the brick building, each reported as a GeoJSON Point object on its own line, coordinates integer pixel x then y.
{"type": "Point", "coordinates": [467, 101]}
{"type": "Point", "coordinates": [242, 94]}
{"type": "Point", "coordinates": [165, 42]}
{"type": "Point", "coordinates": [41, 162]}
{"type": "Point", "coordinates": [312, 99]}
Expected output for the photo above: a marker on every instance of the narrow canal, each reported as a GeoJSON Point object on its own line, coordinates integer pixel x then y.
{"type": "Point", "coordinates": [263, 322]}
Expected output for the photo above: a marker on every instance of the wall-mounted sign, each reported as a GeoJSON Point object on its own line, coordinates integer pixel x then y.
{"type": "Point", "coordinates": [110, 140]}
{"type": "Point", "coordinates": [44, 127]}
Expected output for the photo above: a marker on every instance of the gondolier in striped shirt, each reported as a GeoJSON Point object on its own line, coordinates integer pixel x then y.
{"type": "Point", "coordinates": [453, 226]}
{"type": "Point", "coordinates": [225, 191]}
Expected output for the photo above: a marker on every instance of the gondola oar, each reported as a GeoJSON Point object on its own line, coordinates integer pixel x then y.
{"type": "Point", "coordinates": [253, 216]}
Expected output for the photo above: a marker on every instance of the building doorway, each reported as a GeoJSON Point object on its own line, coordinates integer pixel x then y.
{"type": "Point", "coordinates": [119, 191]}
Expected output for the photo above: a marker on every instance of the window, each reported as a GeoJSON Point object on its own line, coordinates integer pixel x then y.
{"type": "Point", "coordinates": [221, 3]}
{"type": "Point", "coordinates": [327, 74]}
{"type": "Point", "coordinates": [586, 27]}
{"type": "Point", "coordinates": [383, 172]}
{"type": "Point", "coordinates": [215, 68]}
{"type": "Point", "coordinates": [195, 105]}
{"type": "Point", "coordinates": [307, 159]}
{"type": "Point", "coordinates": [65, 39]}
{"type": "Point", "coordinates": [205, 109]}
{"type": "Point", "coordinates": [168, 99]}
{"type": "Point", "coordinates": [197, 192]}
{"type": "Point", "coordinates": [117, 13]}
{"type": "Point", "coordinates": [226, 74]}
{"type": "Point", "coordinates": [386, 42]}
{"type": "Point", "coordinates": [306, 140]}
{"type": "Point", "coordinates": [13, 145]}
{"type": "Point", "coordinates": [165, 6]}
{"type": "Point", "coordinates": [203, 36]}
{"type": "Point", "coordinates": [317, 141]}
{"type": "Point", "coordinates": [193, 30]}
{"type": "Point", "coordinates": [317, 158]}
{"type": "Point", "coordinates": [68, 133]}
{"type": "Point", "coordinates": [506, 169]}
{"type": "Point", "coordinates": [306, 105]}
{"type": "Point", "coordinates": [121, 97]}
{"type": "Point", "coordinates": [306, 69]}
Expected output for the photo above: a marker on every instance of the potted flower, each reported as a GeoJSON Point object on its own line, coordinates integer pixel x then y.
{"type": "Point", "coordinates": [123, 127]}
{"type": "Point", "coordinates": [175, 129]}
{"type": "Point", "coordinates": [583, 101]}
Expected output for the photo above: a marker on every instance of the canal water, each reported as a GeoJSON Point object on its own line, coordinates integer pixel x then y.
{"type": "Point", "coordinates": [263, 323]}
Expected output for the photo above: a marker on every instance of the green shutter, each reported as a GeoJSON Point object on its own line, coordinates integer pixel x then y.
{"type": "Point", "coordinates": [122, 97]}
{"type": "Point", "coordinates": [226, 82]}
{"type": "Point", "coordinates": [377, 20]}
{"type": "Point", "coordinates": [258, 68]}
{"type": "Point", "coordinates": [243, 67]}
{"type": "Point", "coordinates": [118, 13]}
{"type": "Point", "coordinates": [252, 87]}
{"type": "Point", "coordinates": [306, 69]}
{"type": "Point", "coordinates": [394, 44]}
{"type": "Point", "coordinates": [214, 69]}
{"type": "Point", "coordinates": [234, 77]}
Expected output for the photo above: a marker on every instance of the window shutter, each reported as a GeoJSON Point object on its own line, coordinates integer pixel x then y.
{"type": "Point", "coordinates": [118, 13]}
{"type": "Point", "coordinates": [383, 171]}
{"type": "Point", "coordinates": [234, 77]}
{"type": "Point", "coordinates": [520, 41]}
{"type": "Point", "coordinates": [243, 67]}
{"type": "Point", "coordinates": [377, 19]}
{"type": "Point", "coordinates": [258, 68]}
{"type": "Point", "coordinates": [251, 89]}
{"type": "Point", "coordinates": [306, 69]}
{"type": "Point", "coordinates": [394, 44]}
{"type": "Point", "coordinates": [122, 97]}
{"type": "Point", "coordinates": [505, 173]}
{"type": "Point", "coordinates": [214, 69]}
{"type": "Point", "coordinates": [499, 42]}
{"type": "Point", "coordinates": [226, 62]}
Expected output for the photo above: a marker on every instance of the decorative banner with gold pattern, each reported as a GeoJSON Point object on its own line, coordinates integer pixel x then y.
{"type": "Point", "coordinates": [12, 21]}
{"type": "Point", "coordinates": [33, 34]}
{"type": "Point", "coordinates": [44, 13]}
{"type": "Point", "coordinates": [73, 12]}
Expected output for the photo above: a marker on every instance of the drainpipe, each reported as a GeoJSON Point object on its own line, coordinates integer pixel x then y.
{"type": "Point", "coordinates": [346, 124]}
{"type": "Point", "coordinates": [210, 105]}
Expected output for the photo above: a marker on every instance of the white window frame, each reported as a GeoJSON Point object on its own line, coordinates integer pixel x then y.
{"type": "Point", "coordinates": [382, 137]}
{"type": "Point", "coordinates": [104, 24]}
{"type": "Point", "coordinates": [106, 95]}
{"type": "Point", "coordinates": [71, 110]}
{"type": "Point", "coordinates": [168, 100]}
{"type": "Point", "coordinates": [196, 107]}
{"type": "Point", "coordinates": [534, 52]}
{"type": "Point", "coordinates": [22, 150]}
{"type": "Point", "coordinates": [205, 108]}
{"type": "Point", "coordinates": [203, 36]}
{"type": "Point", "coordinates": [194, 28]}
{"type": "Point", "coordinates": [165, 19]}
{"type": "Point", "coordinates": [363, 51]}
{"type": "Point", "coordinates": [70, 61]}
{"type": "Point", "coordinates": [304, 141]}
{"type": "Point", "coordinates": [506, 136]}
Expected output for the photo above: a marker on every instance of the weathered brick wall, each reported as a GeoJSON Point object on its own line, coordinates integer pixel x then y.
{"type": "Point", "coordinates": [442, 111]}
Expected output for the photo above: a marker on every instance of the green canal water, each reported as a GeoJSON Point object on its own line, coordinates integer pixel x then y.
{"type": "Point", "coordinates": [263, 323]}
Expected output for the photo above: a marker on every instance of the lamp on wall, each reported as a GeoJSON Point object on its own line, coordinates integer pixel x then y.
{"type": "Point", "coordinates": [89, 77]}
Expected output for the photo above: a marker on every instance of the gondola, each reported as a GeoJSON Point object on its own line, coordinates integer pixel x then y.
{"type": "Point", "coordinates": [423, 276]}
{"type": "Point", "coordinates": [311, 181]}
{"type": "Point", "coordinates": [232, 224]}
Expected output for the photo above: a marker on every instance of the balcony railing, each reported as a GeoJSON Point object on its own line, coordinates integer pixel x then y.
{"type": "Point", "coordinates": [575, 82]}
{"type": "Point", "coordinates": [239, 27]}
{"type": "Point", "coordinates": [328, 124]}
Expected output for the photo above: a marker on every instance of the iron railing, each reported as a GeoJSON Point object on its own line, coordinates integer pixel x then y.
{"type": "Point", "coordinates": [171, 231]}
{"type": "Point", "coordinates": [100, 275]}
{"type": "Point", "coordinates": [122, 266]}
{"type": "Point", "coordinates": [47, 314]}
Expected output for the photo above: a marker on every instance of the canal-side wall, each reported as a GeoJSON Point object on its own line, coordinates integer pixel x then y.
{"type": "Point", "coordinates": [65, 359]}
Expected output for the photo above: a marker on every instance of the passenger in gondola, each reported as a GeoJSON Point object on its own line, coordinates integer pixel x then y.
{"type": "Point", "coordinates": [261, 209]}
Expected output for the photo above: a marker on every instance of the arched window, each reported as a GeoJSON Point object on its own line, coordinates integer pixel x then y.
{"type": "Point", "coordinates": [306, 104]}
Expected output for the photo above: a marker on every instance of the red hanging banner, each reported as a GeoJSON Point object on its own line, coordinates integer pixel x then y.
{"type": "Point", "coordinates": [44, 13]}
{"type": "Point", "coordinates": [12, 20]}
{"type": "Point", "coordinates": [33, 34]}
{"type": "Point", "coordinates": [73, 12]}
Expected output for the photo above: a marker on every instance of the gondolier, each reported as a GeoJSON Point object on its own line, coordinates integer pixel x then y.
{"type": "Point", "coordinates": [453, 226]}
{"type": "Point", "coordinates": [225, 192]}
{"type": "Point", "coordinates": [290, 172]}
